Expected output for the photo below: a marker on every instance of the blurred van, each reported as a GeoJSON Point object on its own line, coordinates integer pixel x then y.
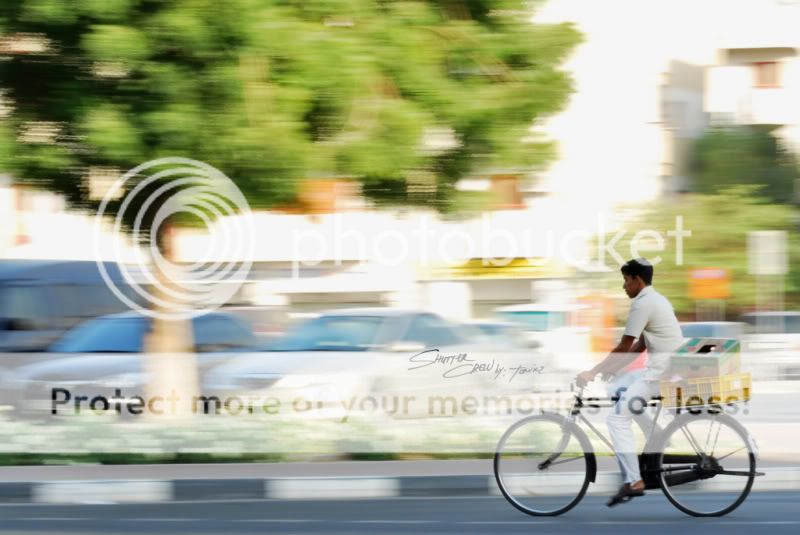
{"type": "Point", "coordinates": [774, 331]}
{"type": "Point", "coordinates": [771, 344]}
{"type": "Point", "coordinates": [713, 329]}
{"type": "Point", "coordinates": [42, 299]}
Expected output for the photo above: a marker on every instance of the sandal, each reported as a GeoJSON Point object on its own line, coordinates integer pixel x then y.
{"type": "Point", "coordinates": [624, 495]}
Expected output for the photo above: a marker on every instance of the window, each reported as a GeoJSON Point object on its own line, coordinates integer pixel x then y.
{"type": "Point", "coordinates": [792, 324]}
{"type": "Point", "coordinates": [538, 321]}
{"type": "Point", "coordinates": [711, 330]}
{"type": "Point", "coordinates": [69, 302]}
{"type": "Point", "coordinates": [101, 300]}
{"type": "Point", "coordinates": [24, 308]}
{"type": "Point", "coordinates": [105, 335]}
{"type": "Point", "coordinates": [766, 74]}
{"type": "Point", "coordinates": [431, 331]}
{"type": "Point", "coordinates": [763, 324]}
{"type": "Point", "coordinates": [333, 333]}
{"type": "Point", "coordinates": [772, 323]}
{"type": "Point", "coordinates": [220, 333]}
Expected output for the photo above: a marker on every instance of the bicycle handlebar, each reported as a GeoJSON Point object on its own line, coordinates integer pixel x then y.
{"type": "Point", "coordinates": [580, 389]}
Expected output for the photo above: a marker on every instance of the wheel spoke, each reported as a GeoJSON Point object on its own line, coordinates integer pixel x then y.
{"type": "Point", "coordinates": [713, 449]}
{"type": "Point", "coordinates": [731, 453]}
{"type": "Point", "coordinates": [692, 440]}
{"type": "Point", "coordinates": [562, 461]}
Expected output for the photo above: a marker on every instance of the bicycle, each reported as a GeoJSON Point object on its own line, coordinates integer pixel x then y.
{"type": "Point", "coordinates": [701, 471]}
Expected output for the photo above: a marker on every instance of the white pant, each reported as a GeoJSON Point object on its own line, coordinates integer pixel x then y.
{"type": "Point", "coordinates": [634, 393]}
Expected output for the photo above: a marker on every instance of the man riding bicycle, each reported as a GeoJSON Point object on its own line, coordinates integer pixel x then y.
{"type": "Point", "coordinates": [651, 326]}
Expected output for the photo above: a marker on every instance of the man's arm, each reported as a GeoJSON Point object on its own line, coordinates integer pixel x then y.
{"type": "Point", "coordinates": [623, 354]}
{"type": "Point", "coordinates": [639, 346]}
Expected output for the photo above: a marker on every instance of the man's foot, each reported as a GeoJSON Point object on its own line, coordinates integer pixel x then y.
{"type": "Point", "coordinates": [626, 493]}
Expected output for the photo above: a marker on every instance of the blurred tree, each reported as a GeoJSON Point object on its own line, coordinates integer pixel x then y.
{"type": "Point", "coordinates": [727, 156]}
{"type": "Point", "coordinates": [272, 91]}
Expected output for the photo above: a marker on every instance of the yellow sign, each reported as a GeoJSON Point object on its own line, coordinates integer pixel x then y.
{"type": "Point", "coordinates": [499, 268]}
{"type": "Point", "coordinates": [709, 283]}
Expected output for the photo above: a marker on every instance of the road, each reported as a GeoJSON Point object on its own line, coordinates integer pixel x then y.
{"type": "Point", "coordinates": [765, 512]}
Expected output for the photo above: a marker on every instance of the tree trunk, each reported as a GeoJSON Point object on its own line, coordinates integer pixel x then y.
{"type": "Point", "coordinates": [169, 360]}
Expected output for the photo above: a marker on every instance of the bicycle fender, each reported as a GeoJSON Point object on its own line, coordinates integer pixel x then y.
{"type": "Point", "coordinates": [591, 466]}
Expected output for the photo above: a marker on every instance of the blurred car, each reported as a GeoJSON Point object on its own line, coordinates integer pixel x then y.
{"type": "Point", "coordinates": [125, 332]}
{"type": "Point", "coordinates": [372, 329]}
{"type": "Point", "coordinates": [107, 355]}
{"type": "Point", "coordinates": [713, 329]}
{"type": "Point", "coordinates": [772, 343]}
{"type": "Point", "coordinates": [773, 331]}
{"type": "Point", "coordinates": [342, 353]}
{"type": "Point", "coordinates": [345, 334]}
{"type": "Point", "coordinates": [41, 300]}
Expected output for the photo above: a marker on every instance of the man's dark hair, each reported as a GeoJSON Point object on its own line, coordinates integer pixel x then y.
{"type": "Point", "coordinates": [638, 267]}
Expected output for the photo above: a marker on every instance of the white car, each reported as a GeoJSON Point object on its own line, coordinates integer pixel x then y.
{"type": "Point", "coordinates": [343, 354]}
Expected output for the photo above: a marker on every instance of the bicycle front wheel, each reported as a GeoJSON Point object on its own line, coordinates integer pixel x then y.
{"type": "Point", "coordinates": [542, 465]}
{"type": "Point", "coordinates": [707, 463]}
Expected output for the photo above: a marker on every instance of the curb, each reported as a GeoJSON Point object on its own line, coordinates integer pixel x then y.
{"type": "Point", "coordinates": [299, 488]}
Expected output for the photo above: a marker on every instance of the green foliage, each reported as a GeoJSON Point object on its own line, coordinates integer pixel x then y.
{"type": "Point", "coordinates": [107, 10]}
{"type": "Point", "coordinates": [6, 144]}
{"type": "Point", "coordinates": [719, 224]}
{"type": "Point", "coordinates": [275, 91]}
{"type": "Point", "coordinates": [112, 43]}
{"type": "Point", "coordinates": [727, 156]}
{"type": "Point", "coordinates": [56, 12]}
{"type": "Point", "coordinates": [107, 129]}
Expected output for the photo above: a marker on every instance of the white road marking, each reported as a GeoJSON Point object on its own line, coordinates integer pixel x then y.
{"type": "Point", "coordinates": [163, 519]}
{"type": "Point", "coordinates": [531, 522]}
{"type": "Point", "coordinates": [277, 520]}
{"type": "Point", "coordinates": [392, 521]}
{"type": "Point", "coordinates": [50, 518]}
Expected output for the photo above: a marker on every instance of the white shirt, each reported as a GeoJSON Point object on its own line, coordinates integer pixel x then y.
{"type": "Point", "coordinates": [653, 317]}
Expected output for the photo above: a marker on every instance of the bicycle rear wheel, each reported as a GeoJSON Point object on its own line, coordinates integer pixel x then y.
{"type": "Point", "coordinates": [707, 463]}
{"type": "Point", "coordinates": [543, 464]}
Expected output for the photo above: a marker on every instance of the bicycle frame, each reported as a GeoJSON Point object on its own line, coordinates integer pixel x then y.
{"type": "Point", "coordinates": [646, 459]}
{"type": "Point", "coordinates": [575, 416]}
{"type": "Point", "coordinates": [648, 472]}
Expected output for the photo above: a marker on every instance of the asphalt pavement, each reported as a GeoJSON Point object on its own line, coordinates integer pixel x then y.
{"type": "Point", "coordinates": [766, 512]}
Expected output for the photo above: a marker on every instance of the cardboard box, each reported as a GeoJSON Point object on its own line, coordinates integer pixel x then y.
{"type": "Point", "coordinates": [706, 357]}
